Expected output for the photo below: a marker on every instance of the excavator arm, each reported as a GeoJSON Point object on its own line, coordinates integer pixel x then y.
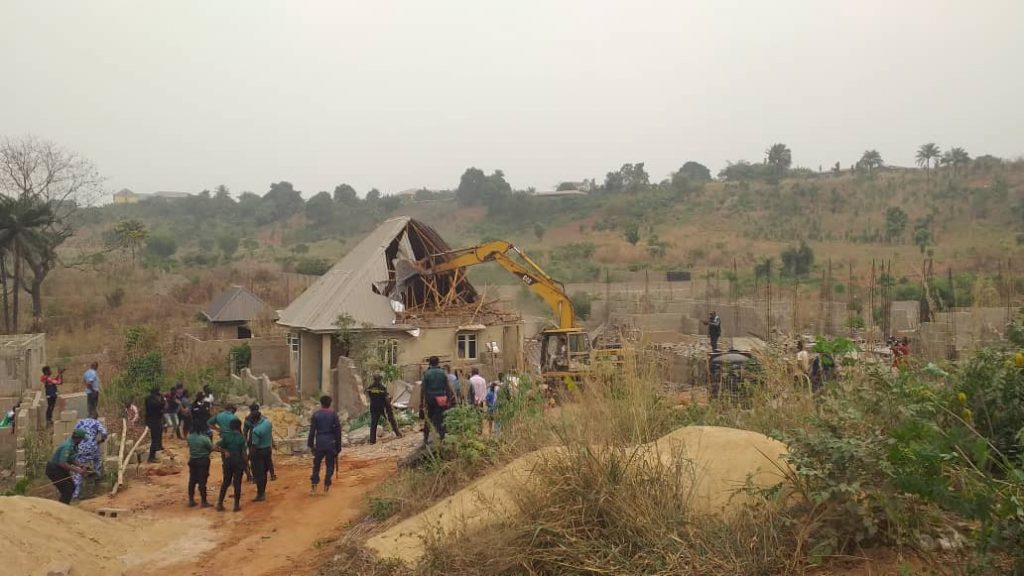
{"type": "Point", "coordinates": [550, 290]}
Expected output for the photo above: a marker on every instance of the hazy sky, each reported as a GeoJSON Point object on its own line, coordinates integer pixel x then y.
{"type": "Point", "coordinates": [185, 95]}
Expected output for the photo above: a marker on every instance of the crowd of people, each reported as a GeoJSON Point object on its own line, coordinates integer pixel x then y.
{"type": "Point", "coordinates": [246, 447]}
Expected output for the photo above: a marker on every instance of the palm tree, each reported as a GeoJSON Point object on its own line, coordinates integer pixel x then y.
{"type": "Point", "coordinates": [956, 158]}
{"type": "Point", "coordinates": [24, 221]}
{"type": "Point", "coordinates": [779, 157]}
{"type": "Point", "coordinates": [926, 153]}
{"type": "Point", "coordinates": [870, 160]}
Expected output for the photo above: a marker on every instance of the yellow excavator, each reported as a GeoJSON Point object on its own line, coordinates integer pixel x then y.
{"type": "Point", "coordinates": [565, 351]}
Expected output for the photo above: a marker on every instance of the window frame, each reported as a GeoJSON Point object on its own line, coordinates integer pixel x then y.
{"type": "Point", "coordinates": [463, 342]}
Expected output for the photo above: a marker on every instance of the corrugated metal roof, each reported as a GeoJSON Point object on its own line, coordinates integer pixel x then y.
{"type": "Point", "coordinates": [236, 304]}
{"type": "Point", "coordinates": [347, 288]}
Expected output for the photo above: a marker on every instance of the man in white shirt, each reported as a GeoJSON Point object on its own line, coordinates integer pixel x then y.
{"type": "Point", "coordinates": [803, 358]}
{"type": "Point", "coordinates": [478, 387]}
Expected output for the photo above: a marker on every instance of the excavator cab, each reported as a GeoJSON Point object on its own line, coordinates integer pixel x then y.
{"type": "Point", "coordinates": [564, 352]}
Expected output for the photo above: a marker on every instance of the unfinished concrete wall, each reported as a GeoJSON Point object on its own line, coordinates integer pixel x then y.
{"type": "Point", "coordinates": [258, 386]}
{"type": "Point", "coordinates": [22, 357]}
{"type": "Point", "coordinates": [270, 356]}
{"type": "Point", "coordinates": [347, 387]}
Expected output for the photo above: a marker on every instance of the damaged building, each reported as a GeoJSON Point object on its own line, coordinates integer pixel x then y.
{"type": "Point", "coordinates": [376, 292]}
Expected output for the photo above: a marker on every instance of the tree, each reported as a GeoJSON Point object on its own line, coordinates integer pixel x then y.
{"type": "Point", "coordinates": [956, 159]}
{"type": "Point", "coordinates": [280, 202]}
{"type": "Point", "coordinates": [345, 194]}
{"type": "Point", "coordinates": [131, 235]}
{"type": "Point", "coordinates": [797, 261]}
{"type": "Point", "coordinates": [320, 208]}
{"type": "Point", "coordinates": [927, 153]}
{"type": "Point", "coordinates": [695, 171]}
{"type": "Point", "coordinates": [162, 246]}
{"type": "Point", "coordinates": [44, 171]}
{"type": "Point", "coordinates": [24, 223]}
{"type": "Point", "coordinates": [373, 195]}
{"type": "Point", "coordinates": [632, 233]}
{"type": "Point", "coordinates": [228, 244]}
{"type": "Point", "coordinates": [895, 223]}
{"type": "Point", "coordinates": [539, 230]}
{"type": "Point", "coordinates": [870, 160]}
{"type": "Point", "coordinates": [478, 189]}
{"type": "Point", "coordinates": [779, 157]}
{"type": "Point", "coordinates": [630, 178]}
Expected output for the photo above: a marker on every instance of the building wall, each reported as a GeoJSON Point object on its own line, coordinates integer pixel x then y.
{"type": "Point", "coordinates": [269, 355]}
{"type": "Point", "coordinates": [312, 366]}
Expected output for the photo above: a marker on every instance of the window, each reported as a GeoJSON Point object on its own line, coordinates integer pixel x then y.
{"type": "Point", "coordinates": [465, 346]}
{"type": "Point", "coordinates": [387, 351]}
{"type": "Point", "coordinates": [293, 341]}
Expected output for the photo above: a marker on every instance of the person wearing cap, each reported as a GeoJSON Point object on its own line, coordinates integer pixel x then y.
{"type": "Point", "coordinates": [221, 422]}
{"type": "Point", "coordinates": [261, 442]}
{"type": "Point", "coordinates": [200, 412]}
{"type": "Point", "coordinates": [232, 449]}
{"type": "Point", "coordinates": [380, 405]}
{"type": "Point", "coordinates": [247, 424]}
{"type": "Point", "coordinates": [325, 442]}
{"type": "Point", "coordinates": [155, 421]}
{"type": "Point", "coordinates": [89, 452]}
{"type": "Point", "coordinates": [63, 464]}
{"type": "Point", "coordinates": [435, 396]}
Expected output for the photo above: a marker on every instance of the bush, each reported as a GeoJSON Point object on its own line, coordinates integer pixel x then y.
{"type": "Point", "coordinates": [312, 266]}
{"type": "Point", "coordinates": [581, 301]}
{"type": "Point", "coordinates": [115, 297]}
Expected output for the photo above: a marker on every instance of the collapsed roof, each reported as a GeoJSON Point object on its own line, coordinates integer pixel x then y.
{"type": "Point", "coordinates": [375, 285]}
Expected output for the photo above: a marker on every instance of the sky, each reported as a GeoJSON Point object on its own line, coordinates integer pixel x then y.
{"type": "Point", "coordinates": [186, 94]}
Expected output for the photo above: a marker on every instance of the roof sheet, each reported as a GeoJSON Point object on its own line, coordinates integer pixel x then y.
{"type": "Point", "coordinates": [347, 287]}
{"type": "Point", "coordinates": [236, 304]}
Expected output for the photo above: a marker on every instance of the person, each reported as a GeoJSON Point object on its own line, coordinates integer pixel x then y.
{"type": "Point", "coordinates": [130, 412]}
{"type": "Point", "coordinates": [63, 464]}
{"type": "Point", "coordinates": [221, 422]}
{"type": "Point", "coordinates": [233, 456]}
{"type": "Point", "coordinates": [208, 395]}
{"type": "Point", "coordinates": [435, 395]}
{"type": "Point", "coordinates": [89, 452]}
{"type": "Point", "coordinates": [200, 414]}
{"type": "Point", "coordinates": [8, 420]}
{"type": "Point", "coordinates": [453, 380]}
{"type": "Point", "coordinates": [380, 405]}
{"type": "Point", "coordinates": [199, 448]}
{"type": "Point", "coordinates": [155, 421]}
{"type": "Point", "coordinates": [184, 410]}
{"type": "Point", "coordinates": [261, 444]}
{"type": "Point", "coordinates": [247, 425]}
{"type": "Point", "coordinates": [714, 324]}
{"type": "Point", "coordinates": [803, 357]}
{"type": "Point", "coordinates": [92, 389]}
{"type": "Point", "coordinates": [477, 388]}
{"type": "Point", "coordinates": [491, 399]}
{"type": "Point", "coordinates": [172, 406]}
{"type": "Point", "coordinates": [325, 442]}
{"type": "Point", "coordinates": [50, 384]}
{"type": "Point", "coordinates": [904, 350]}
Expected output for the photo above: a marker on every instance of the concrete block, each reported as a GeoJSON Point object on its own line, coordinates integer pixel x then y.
{"type": "Point", "coordinates": [68, 415]}
{"type": "Point", "coordinates": [76, 402]}
{"type": "Point", "coordinates": [19, 455]}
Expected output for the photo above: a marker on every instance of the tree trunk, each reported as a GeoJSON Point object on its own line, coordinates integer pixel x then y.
{"type": "Point", "coordinates": [36, 291]}
{"type": "Point", "coordinates": [3, 286]}
{"type": "Point", "coordinates": [17, 286]}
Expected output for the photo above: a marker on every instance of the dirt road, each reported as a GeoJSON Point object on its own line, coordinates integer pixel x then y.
{"type": "Point", "coordinates": [283, 536]}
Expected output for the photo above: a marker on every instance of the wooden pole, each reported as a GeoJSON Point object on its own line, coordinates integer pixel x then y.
{"type": "Point", "coordinates": [124, 463]}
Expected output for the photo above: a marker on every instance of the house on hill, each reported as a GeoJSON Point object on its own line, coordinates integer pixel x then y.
{"type": "Point", "coordinates": [237, 313]}
{"type": "Point", "coordinates": [374, 292]}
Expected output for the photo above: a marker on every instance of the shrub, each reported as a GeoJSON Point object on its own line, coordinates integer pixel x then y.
{"type": "Point", "coordinates": [581, 301]}
{"type": "Point", "coordinates": [312, 266]}
{"type": "Point", "coordinates": [115, 297]}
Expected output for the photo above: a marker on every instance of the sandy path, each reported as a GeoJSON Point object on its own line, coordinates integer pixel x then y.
{"type": "Point", "coordinates": [282, 536]}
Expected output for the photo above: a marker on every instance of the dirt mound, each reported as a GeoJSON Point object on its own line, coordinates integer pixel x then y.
{"type": "Point", "coordinates": [723, 460]}
{"type": "Point", "coordinates": [37, 532]}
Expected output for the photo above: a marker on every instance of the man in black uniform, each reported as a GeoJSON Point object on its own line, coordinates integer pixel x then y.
{"type": "Point", "coordinates": [155, 421]}
{"type": "Point", "coordinates": [435, 396]}
{"type": "Point", "coordinates": [325, 442]}
{"type": "Point", "coordinates": [380, 405]}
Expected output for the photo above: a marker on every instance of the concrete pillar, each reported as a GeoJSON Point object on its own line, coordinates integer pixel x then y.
{"type": "Point", "coordinates": [325, 362]}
